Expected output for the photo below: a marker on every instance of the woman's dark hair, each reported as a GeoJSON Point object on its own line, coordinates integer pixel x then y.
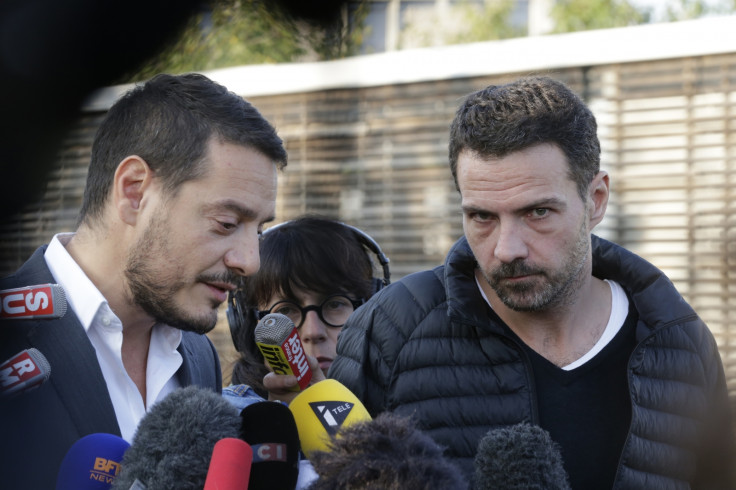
{"type": "Point", "coordinates": [311, 253]}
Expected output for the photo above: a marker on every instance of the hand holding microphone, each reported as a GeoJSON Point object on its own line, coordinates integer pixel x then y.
{"type": "Point", "coordinates": [278, 340]}
{"type": "Point", "coordinates": [282, 387]}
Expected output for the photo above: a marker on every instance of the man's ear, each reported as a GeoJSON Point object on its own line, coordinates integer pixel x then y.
{"type": "Point", "coordinates": [132, 180]}
{"type": "Point", "coordinates": [598, 198]}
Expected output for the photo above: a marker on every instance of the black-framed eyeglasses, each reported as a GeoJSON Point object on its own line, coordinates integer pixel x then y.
{"type": "Point", "coordinates": [334, 311]}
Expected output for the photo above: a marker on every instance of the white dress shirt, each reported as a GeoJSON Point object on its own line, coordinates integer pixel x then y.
{"type": "Point", "coordinates": [105, 332]}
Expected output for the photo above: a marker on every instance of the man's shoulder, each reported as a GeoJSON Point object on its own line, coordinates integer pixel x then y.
{"type": "Point", "coordinates": [196, 343]}
{"type": "Point", "coordinates": [32, 271]}
{"type": "Point", "coordinates": [422, 289]}
{"type": "Point", "coordinates": [202, 360]}
{"type": "Point", "coordinates": [401, 307]}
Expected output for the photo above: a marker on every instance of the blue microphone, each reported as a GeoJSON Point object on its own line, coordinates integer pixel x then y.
{"type": "Point", "coordinates": [92, 463]}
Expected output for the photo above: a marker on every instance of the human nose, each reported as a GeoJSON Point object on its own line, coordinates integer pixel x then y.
{"type": "Point", "coordinates": [313, 331]}
{"type": "Point", "coordinates": [243, 256]}
{"type": "Point", "coordinates": [510, 244]}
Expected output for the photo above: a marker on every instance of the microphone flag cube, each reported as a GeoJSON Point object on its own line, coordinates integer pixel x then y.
{"type": "Point", "coordinates": [321, 410]}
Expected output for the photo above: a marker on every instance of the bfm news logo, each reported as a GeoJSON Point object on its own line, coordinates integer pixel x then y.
{"type": "Point", "coordinates": [104, 470]}
{"type": "Point", "coordinates": [331, 414]}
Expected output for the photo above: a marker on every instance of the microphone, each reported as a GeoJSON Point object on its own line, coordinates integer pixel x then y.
{"type": "Point", "coordinates": [270, 430]}
{"type": "Point", "coordinates": [23, 372]}
{"type": "Point", "coordinates": [321, 410]}
{"type": "Point", "coordinates": [92, 463]}
{"type": "Point", "coordinates": [388, 452]}
{"type": "Point", "coordinates": [278, 340]}
{"type": "Point", "coordinates": [519, 457]}
{"type": "Point", "coordinates": [33, 302]}
{"type": "Point", "coordinates": [230, 465]}
{"type": "Point", "coordinates": [173, 444]}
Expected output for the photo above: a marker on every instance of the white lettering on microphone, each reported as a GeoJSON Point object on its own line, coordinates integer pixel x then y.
{"type": "Point", "coordinates": [300, 358]}
{"type": "Point", "coordinates": [40, 300]}
{"type": "Point", "coordinates": [269, 451]}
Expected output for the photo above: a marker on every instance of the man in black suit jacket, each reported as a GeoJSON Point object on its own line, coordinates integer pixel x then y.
{"type": "Point", "coordinates": [182, 179]}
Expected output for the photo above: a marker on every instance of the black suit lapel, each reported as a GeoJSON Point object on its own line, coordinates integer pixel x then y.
{"type": "Point", "coordinates": [75, 373]}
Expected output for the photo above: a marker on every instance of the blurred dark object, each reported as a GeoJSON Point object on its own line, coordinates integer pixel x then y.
{"type": "Point", "coordinates": [53, 54]}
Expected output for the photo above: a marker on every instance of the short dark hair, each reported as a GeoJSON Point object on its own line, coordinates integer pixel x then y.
{"type": "Point", "coordinates": [168, 121]}
{"type": "Point", "coordinates": [502, 119]}
{"type": "Point", "coordinates": [312, 252]}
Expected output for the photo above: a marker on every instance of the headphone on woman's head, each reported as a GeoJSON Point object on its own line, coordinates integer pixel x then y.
{"type": "Point", "coordinates": [369, 243]}
{"type": "Point", "coordinates": [238, 317]}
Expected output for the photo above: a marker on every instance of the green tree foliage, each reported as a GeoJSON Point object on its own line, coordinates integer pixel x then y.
{"type": "Point", "coordinates": [490, 23]}
{"type": "Point", "coordinates": [692, 9]}
{"type": "Point", "coordinates": [465, 22]}
{"type": "Point", "coordinates": [245, 32]}
{"type": "Point", "coordinates": [583, 15]}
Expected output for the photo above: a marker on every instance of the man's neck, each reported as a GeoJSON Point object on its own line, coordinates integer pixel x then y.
{"type": "Point", "coordinates": [564, 333]}
{"type": "Point", "coordinates": [102, 258]}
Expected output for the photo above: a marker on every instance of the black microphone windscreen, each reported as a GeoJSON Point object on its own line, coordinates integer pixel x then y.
{"type": "Point", "coordinates": [270, 429]}
{"type": "Point", "coordinates": [519, 457]}
{"type": "Point", "coordinates": [388, 452]}
{"type": "Point", "coordinates": [173, 444]}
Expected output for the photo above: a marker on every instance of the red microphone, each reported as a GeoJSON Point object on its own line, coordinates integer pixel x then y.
{"type": "Point", "coordinates": [39, 301]}
{"type": "Point", "coordinates": [230, 465]}
{"type": "Point", "coordinates": [23, 372]}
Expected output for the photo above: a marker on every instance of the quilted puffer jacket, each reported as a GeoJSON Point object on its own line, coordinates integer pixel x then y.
{"type": "Point", "coordinates": [426, 347]}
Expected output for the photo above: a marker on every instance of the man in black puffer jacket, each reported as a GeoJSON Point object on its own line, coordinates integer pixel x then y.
{"type": "Point", "coordinates": [534, 319]}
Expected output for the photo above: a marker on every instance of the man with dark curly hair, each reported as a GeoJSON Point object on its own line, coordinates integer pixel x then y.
{"type": "Point", "coordinates": [534, 319]}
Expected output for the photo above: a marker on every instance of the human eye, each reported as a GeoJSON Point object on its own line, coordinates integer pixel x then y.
{"type": "Point", "coordinates": [336, 304]}
{"type": "Point", "coordinates": [479, 216]}
{"type": "Point", "coordinates": [538, 213]}
{"type": "Point", "coordinates": [287, 309]}
{"type": "Point", "coordinates": [224, 225]}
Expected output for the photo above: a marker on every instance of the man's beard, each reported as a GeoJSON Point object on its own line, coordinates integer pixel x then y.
{"type": "Point", "coordinates": [153, 282]}
{"type": "Point", "coordinates": [545, 289]}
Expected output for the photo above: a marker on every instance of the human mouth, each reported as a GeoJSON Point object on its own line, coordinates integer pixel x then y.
{"type": "Point", "coordinates": [220, 290]}
{"type": "Point", "coordinates": [324, 363]}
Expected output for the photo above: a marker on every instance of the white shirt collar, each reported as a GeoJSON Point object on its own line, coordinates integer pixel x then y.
{"type": "Point", "coordinates": [105, 332]}
{"type": "Point", "coordinates": [82, 295]}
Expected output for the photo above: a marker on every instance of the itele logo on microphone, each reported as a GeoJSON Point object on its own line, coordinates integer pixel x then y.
{"type": "Point", "coordinates": [331, 414]}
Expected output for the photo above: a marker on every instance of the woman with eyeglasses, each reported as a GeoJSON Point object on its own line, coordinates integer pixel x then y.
{"type": "Point", "coordinates": [314, 270]}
